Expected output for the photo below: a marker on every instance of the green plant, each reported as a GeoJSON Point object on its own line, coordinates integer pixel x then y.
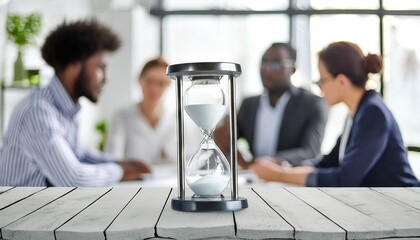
{"type": "Point", "coordinates": [101, 128]}
{"type": "Point", "coordinates": [22, 30]}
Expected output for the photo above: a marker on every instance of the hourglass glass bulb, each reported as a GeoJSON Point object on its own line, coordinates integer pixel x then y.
{"type": "Point", "coordinates": [208, 171]}
{"type": "Point", "coordinates": [205, 102]}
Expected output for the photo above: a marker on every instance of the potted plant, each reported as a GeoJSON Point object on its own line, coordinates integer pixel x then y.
{"type": "Point", "coordinates": [22, 30]}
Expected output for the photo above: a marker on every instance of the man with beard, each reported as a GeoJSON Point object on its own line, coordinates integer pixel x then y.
{"type": "Point", "coordinates": [41, 145]}
{"type": "Point", "coordinates": [285, 124]}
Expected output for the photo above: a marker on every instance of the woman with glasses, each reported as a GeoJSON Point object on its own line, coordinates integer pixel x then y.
{"type": "Point", "coordinates": [370, 152]}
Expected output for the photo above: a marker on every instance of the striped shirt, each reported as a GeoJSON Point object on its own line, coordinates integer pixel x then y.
{"type": "Point", "coordinates": [42, 144]}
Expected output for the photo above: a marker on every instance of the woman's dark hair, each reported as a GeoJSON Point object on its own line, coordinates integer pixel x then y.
{"type": "Point", "coordinates": [157, 62]}
{"type": "Point", "coordinates": [77, 41]}
{"type": "Point", "coordinates": [347, 58]}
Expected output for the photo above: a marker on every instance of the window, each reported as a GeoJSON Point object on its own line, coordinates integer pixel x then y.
{"type": "Point", "coordinates": [402, 76]}
{"type": "Point", "coordinates": [345, 4]}
{"type": "Point", "coordinates": [310, 25]}
{"type": "Point", "coordinates": [258, 5]}
{"type": "Point", "coordinates": [236, 39]}
{"type": "Point", "coordinates": [401, 5]}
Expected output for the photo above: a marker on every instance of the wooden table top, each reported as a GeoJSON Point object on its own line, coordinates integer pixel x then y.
{"type": "Point", "coordinates": [273, 212]}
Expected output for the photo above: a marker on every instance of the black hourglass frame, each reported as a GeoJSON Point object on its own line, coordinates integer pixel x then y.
{"type": "Point", "coordinates": [210, 69]}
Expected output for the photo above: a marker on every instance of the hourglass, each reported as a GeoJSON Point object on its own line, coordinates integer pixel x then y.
{"type": "Point", "coordinates": [208, 172]}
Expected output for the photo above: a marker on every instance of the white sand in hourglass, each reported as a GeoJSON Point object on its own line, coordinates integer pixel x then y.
{"type": "Point", "coordinates": [206, 116]}
{"type": "Point", "coordinates": [210, 185]}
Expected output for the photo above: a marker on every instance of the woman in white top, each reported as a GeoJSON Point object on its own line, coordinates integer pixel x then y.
{"type": "Point", "coordinates": [146, 130]}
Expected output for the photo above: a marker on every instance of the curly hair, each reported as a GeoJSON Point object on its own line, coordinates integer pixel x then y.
{"type": "Point", "coordinates": [77, 41]}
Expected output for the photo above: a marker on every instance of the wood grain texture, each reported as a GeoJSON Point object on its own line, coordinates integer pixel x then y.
{"type": "Point", "coordinates": [407, 238]}
{"type": "Point", "coordinates": [194, 225]}
{"type": "Point", "coordinates": [42, 223]}
{"type": "Point", "coordinates": [4, 189]}
{"type": "Point", "coordinates": [356, 224]}
{"type": "Point", "coordinates": [259, 220]}
{"type": "Point", "coordinates": [394, 214]}
{"type": "Point", "coordinates": [404, 195]}
{"type": "Point", "coordinates": [307, 222]}
{"type": "Point", "coordinates": [273, 213]}
{"type": "Point", "coordinates": [16, 194]}
{"type": "Point", "coordinates": [92, 222]}
{"type": "Point", "coordinates": [139, 217]}
{"type": "Point", "coordinates": [30, 204]}
{"type": "Point", "coordinates": [415, 189]}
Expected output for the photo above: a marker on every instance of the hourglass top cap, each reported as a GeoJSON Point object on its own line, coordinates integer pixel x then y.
{"type": "Point", "coordinates": [204, 68]}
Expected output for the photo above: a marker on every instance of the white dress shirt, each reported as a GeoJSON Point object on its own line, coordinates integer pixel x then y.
{"type": "Point", "coordinates": [268, 122]}
{"type": "Point", "coordinates": [132, 137]}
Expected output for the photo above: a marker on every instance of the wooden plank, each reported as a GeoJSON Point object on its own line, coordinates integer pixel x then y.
{"type": "Point", "coordinates": [30, 204]}
{"type": "Point", "coordinates": [407, 238]}
{"type": "Point", "coordinates": [415, 189]}
{"type": "Point", "coordinates": [4, 189]}
{"type": "Point", "coordinates": [92, 222]}
{"type": "Point", "coordinates": [307, 222]}
{"type": "Point", "coordinates": [404, 195]}
{"type": "Point", "coordinates": [259, 220]}
{"type": "Point", "coordinates": [404, 219]}
{"type": "Point", "coordinates": [42, 223]}
{"type": "Point", "coordinates": [356, 224]}
{"type": "Point", "coordinates": [193, 225]}
{"type": "Point", "coordinates": [14, 195]}
{"type": "Point", "coordinates": [139, 217]}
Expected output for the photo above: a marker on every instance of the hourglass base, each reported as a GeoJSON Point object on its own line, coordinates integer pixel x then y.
{"type": "Point", "coordinates": [214, 204]}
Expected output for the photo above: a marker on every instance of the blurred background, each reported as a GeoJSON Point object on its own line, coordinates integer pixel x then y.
{"type": "Point", "coordinates": [235, 31]}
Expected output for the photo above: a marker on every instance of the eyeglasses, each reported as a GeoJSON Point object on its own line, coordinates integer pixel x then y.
{"type": "Point", "coordinates": [277, 65]}
{"type": "Point", "coordinates": [321, 81]}
{"type": "Point", "coordinates": [158, 82]}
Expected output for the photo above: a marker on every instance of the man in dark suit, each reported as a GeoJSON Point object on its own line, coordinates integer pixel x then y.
{"type": "Point", "coordinates": [285, 123]}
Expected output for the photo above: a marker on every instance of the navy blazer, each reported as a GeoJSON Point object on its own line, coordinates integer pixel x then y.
{"type": "Point", "coordinates": [302, 128]}
{"type": "Point", "coordinates": [375, 154]}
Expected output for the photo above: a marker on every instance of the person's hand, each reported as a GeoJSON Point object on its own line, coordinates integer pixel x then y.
{"type": "Point", "coordinates": [267, 169]}
{"type": "Point", "coordinates": [285, 164]}
{"type": "Point", "coordinates": [133, 169]}
{"type": "Point", "coordinates": [140, 165]}
{"type": "Point", "coordinates": [241, 161]}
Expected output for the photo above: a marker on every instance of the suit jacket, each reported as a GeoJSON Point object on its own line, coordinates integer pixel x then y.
{"type": "Point", "coordinates": [375, 155]}
{"type": "Point", "coordinates": [301, 131]}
